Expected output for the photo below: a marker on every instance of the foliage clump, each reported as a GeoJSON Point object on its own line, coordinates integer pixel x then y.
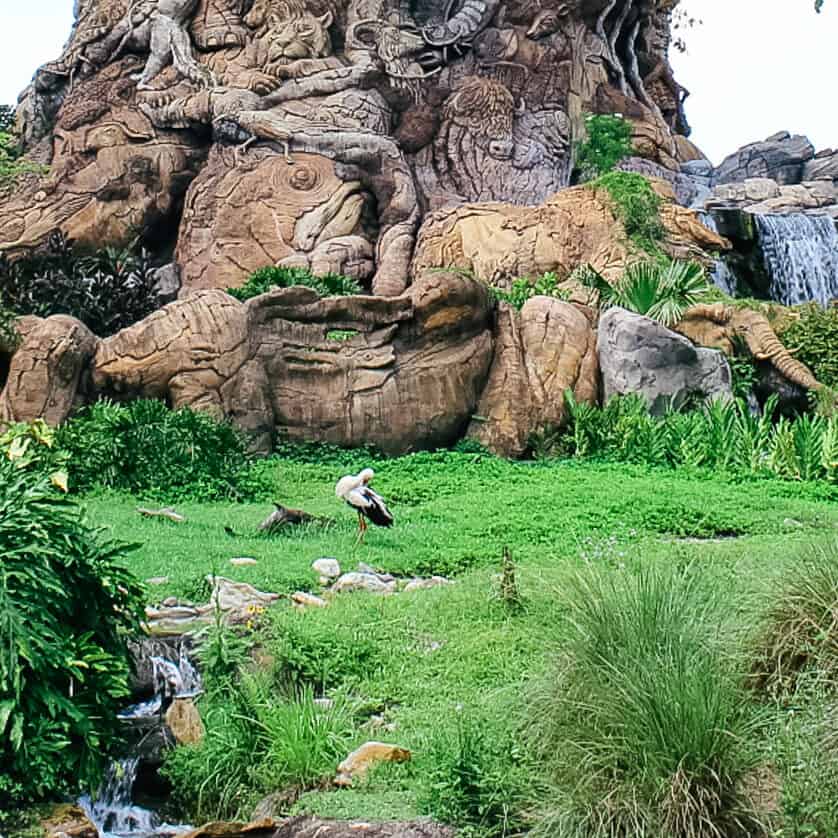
{"type": "Point", "coordinates": [639, 721]}
{"type": "Point", "coordinates": [662, 291]}
{"type": "Point", "coordinates": [814, 340]}
{"type": "Point", "coordinates": [12, 164]}
{"type": "Point", "coordinates": [799, 631]}
{"type": "Point", "coordinates": [637, 206]}
{"type": "Point", "coordinates": [67, 606]}
{"type": "Point", "coordinates": [107, 289]}
{"type": "Point", "coordinates": [265, 279]}
{"type": "Point", "coordinates": [144, 447]}
{"type": "Point", "coordinates": [724, 436]}
{"type": "Point", "coordinates": [608, 142]}
{"type": "Point", "coordinates": [524, 288]}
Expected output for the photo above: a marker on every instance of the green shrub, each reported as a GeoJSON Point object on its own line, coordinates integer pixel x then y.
{"type": "Point", "coordinates": [799, 632]}
{"type": "Point", "coordinates": [814, 341]}
{"type": "Point", "coordinates": [107, 290]}
{"type": "Point", "coordinates": [12, 164]}
{"type": "Point", "coordinates": [265, 279]}
{"type": "Point", "coordinates": [636, 205]}
{"type": "Point", "coordinates": [256, 742]}
{"type": "Point", "coordinates": [143, 447]}
{"type": "Point", "coordinates": [608, 142]}
{"type": "Point", "coordinates": [474, 779]}
{"type": "Point", "coordinates": [9, 337]}
{"type": "Point", "coordinates": [67, 606]}
{"type": "Point", "coordinates": [524, 288]}
{"type": "Point", "coordinates": [662, 291]}
{"type": "Point", "coordinates": [722, 435]}
{"type": "Point", "coordinates": [639, 721]}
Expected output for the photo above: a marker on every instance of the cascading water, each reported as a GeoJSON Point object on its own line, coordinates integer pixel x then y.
{"type": "Point", "coordinates": [722, 275]}
{"type": "Point", "coordinates": [800, 253]}
{"type": "Point", "coordinates": [113, 810]}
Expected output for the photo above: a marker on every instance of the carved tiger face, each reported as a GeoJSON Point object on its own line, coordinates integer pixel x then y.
{"type": "Point", "coordinates": [303, 35]}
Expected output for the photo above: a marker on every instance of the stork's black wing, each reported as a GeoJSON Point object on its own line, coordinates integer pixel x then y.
{"type": "Point", "coordinates": [376, 510]}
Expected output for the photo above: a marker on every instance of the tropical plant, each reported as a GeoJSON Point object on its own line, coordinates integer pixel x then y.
{"type": "Point", "coordinates": [639, 721]}
{"type": "Point", "coordinates": [33, 443]}
{"type": "Point", "coordinates": [524, 288]}
{"type": "Point", "coordinates": [607, 142]}
{"type": "Point", "coordinates": [67, 606]}
{"type": "Point", "coordinates": [813, 338]}
{"type": "Point", "coordinates": [142, 446]}
{"type": "Point", "coordinates": [722, 435]}
{"type": "Point", "coordinates": [661, 291]}
{"type": "Point", "coordinates": [264, 279]}
{"type": "Point", "coordinates": [12, 164]}
{"type": "Point", "coordinates": [799, 630]}
{"type": "Point", "coordinates": [107, 290]}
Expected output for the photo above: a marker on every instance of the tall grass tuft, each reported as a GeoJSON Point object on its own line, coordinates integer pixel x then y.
{"type": "Point", "coordinates": [640, 721]}
{"type": "Point", "coordinates": [800, 630]}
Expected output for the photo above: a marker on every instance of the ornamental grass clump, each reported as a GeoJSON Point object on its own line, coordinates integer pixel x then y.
{"type": "Point", "coordinates": [640, 720]}
{"type": "Point", "coordinates": [799, 633]}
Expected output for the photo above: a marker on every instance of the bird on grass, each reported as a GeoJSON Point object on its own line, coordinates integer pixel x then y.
{"type": "Point", "coordinates": [355, 490]}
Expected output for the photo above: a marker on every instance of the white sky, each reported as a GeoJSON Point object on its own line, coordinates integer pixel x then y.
{"type": "Point", "coordinates": [754, 67]}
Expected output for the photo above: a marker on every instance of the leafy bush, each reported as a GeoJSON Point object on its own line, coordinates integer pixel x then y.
{"type": "Point", "coordinates": [662, 291]}
{"type": "Point", "coordinates": [524, 288]}
{"type": "Point", "coordinates": [12, 164]}
{"type": "Point", "coordinates": [636, 205]}
{"type": "Point", "coordinates": [639, 721]}
{"type": "Point", "coordinates": [474, 780]}
{"type": "Point", "coordinates": [814, 340]}
{"type": "Point", "coordinates": [263, 280]}
{"type": "Point", "coordinates": [800, 627]}
{"type": "Point", "coordinates": [107, 290]}
{"type": "Point", "coordinates": [256, 743]}
{"type": "Point", "coordinates": [144, 447]}
{"type": "Point", "coordinates": [608, 142]}
{"type": "Point", "coordinates": [67, 606]}
{"type": "Point", "coordinates": [721, 436]}
{"type": "Point", "coordinates": [9, 337]}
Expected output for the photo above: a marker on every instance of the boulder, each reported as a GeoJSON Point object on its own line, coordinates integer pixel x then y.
{"type": "Point", "coordinates": [359, 762]}
{"type": "Point", "coordinates": [303, 600]}
{"type": "Point", "coordinates": [370, 582]}
{"type": "Point", "coordinates": [66, 820]}
{"type": "Point", "coordinates": [781, 157]}
{"type": "Point", "coordinates": [307, 826]}
{"type": "Point", "coordinates": [638, 355]}
{"type": "Point", "coordinates": [546, 348]}
{"type": "Point", "coordinates": [327, 569]}
{"type": "Point", "coordinates": [184, 721]}
{"type": "Point", "coordinates": [823, 166]}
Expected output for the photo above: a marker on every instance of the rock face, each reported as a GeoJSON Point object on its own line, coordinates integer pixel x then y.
{"type": "Point", "coordinates": [638, 355]}
{"type": "Point", "coordinates": [781, 158]}
{"type": "Point", "coordinates": [546, 348]}
{"type": "Point", "coordinates": [244, 133]}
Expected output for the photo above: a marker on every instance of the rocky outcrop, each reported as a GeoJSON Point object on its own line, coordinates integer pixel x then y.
{"type": "Point", "coordinates": [639, 356]}
{"type": "Point", "coordinates": [540, 352]}
{"type": "Point", "coordinates": [765, 196]}
{"type": "Point", "coordinates": [578, 226]}
{"type": "Point", "coordinates": [306, 826]}
{"type": "Point", "coordinates": [781, 158]}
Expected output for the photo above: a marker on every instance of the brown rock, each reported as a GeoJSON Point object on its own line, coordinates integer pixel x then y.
{"type": "Point", "coordinates": [184, 721]}
{"type": "Point", "coordinates": [262, 828]}
{"type": "Point", "coordinates": [67, 820]}
{"type": "Point", "coordinates": [547, 348]}
{"type": "Point", "coordinates": [311, 827]}
{"type": "Point", "coordinates": [359, 762]}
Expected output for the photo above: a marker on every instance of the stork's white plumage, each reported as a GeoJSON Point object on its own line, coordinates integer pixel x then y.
{"type": "Point", "coordinates": [355, 490]}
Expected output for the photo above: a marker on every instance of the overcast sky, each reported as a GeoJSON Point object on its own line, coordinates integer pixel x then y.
{"type": "Point", "coordinates": [753, 67]}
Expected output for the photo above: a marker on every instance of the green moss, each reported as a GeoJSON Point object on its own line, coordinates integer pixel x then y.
{"type": "Point", "coordinates": [637, 206]}
{"type": "Point", "coordinates": [608, 142]}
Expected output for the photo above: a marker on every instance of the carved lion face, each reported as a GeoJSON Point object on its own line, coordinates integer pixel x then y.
{"type": "Point", "coordinates": [303, 35]}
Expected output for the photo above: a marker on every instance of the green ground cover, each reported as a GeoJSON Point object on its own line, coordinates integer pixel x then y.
{"type": "Point", "coordinates": [449, 672]}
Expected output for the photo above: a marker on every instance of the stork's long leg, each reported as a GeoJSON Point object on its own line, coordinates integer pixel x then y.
{"type": "Point", "coordinates": [362, 528]}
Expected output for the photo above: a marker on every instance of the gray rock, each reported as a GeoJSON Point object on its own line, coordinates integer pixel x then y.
{"type": "Point", "coordinates": [684, 186]}
{"type": "Point", "coordinates": [326, 568]}
{"type": "Point", "coordinates": [698, 168]}
{"type": "Point", "coordinates": [781, 157]}
{"type": "Point", "coordinates": [363, 582]}
{"type": "Point", "coordinates": [638, 355]}
{"type": "Point", "coordinates": [167, 282]}
{"type": "Point", "coordinates": [312, 827]}
{"type": "Point", "coordinates": [825, 165]}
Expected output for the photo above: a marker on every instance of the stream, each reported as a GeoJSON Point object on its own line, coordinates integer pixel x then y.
{"type": "Point", "coordinates": [113, 809]}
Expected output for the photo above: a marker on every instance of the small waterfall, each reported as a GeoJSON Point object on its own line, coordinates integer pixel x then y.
{"type": "Point", "coordinates": [112, 810]}
{"type": "Point", "coordinates": [721, 274]}
{"type": "Point", "coordinates": [800, 253]}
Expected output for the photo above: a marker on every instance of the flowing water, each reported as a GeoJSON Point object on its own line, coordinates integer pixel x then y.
{"type": "Point", "coordinates": [113, 810]}
{"type": "Point", "coordinates": [800, 253]}
{"type": "Point", "coordinates": [722, 276]}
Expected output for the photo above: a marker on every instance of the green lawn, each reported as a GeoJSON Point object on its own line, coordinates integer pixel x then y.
{"type": "Point", "coordinates": [422, 661]}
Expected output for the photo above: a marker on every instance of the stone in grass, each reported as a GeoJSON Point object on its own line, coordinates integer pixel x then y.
{"type": "Point", "coordinates": [327, 569]}
{"type": "Point", "coordinates": [364, 582]}
{"type": "Point", "coordinates": [419, 584]}
{"type": "Point", "coordinates": [157, 580]}
{"type": "Point", "coordinates": [359, 762]}
{"type": "Point", "coordinates": [303, 600]}
{"type": "Point", "coordinates": [243, 561]}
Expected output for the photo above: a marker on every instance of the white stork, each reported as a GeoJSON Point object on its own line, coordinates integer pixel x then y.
{"type": "Point", "coordinates": [355, 490]}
